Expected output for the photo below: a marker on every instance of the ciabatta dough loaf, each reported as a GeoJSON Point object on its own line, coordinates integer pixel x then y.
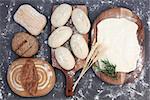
{"type": "Point", "coordinates": [31, 77]}
{"type": "Point", "coordinates": [30, 19]}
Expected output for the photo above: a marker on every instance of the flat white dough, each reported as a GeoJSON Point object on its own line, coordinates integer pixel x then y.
{"type": "Point", "coordinates": [118, 36]}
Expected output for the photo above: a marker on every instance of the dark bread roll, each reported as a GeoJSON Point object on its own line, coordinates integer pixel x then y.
{"type": "Point", "coordinates": [25, 45]}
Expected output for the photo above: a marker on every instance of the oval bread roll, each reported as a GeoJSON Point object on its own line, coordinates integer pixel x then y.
{"type": "Point", "coordinates": [64, 58]}
{"type": "Point", "coordinates": [79, 46]}
{"type": "Point", "coordinates": [61, 15]}
{"type": "Point", "coordinates": [81, 21]}
{"type": "Point", "coordinates": [59, 36]}
{"type": "Point", "coordinates": [46, 77]}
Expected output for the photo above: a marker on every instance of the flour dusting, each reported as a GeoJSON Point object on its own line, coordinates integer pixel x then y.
{"type": "Point", "coordinates": [90, 87]}
{"type": "Point", "coordinates": [148, 22]}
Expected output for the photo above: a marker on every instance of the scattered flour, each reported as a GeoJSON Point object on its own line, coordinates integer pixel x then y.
{"type": "Point", "coordinates": [1, 97]}
{"type": "Point", "coordinates": [148, 22]}
{"type": "Point", "coordinates": [103, 90]}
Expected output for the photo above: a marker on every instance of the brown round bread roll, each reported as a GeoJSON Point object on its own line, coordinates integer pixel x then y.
{"type": "Point", "coordinates": [31, 77]}
{"type": "Point", "coordinates": [24, 45]}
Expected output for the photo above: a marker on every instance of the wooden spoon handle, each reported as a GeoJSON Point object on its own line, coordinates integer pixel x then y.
{"type": "Point", "coordinates": [69, 85]}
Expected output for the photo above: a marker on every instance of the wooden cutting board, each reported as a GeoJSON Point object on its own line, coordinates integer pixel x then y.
{"type": "Point", "coordinates": [79, 63]}
{"type": "Point", "coordinates": [128, 14]}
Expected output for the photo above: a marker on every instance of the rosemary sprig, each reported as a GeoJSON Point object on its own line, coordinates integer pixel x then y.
{"type": "Point", "coordinates": [108, 68]}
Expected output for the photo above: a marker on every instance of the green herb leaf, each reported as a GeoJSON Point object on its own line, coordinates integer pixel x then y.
{"type": "Point", "coordinates": [108, 68]}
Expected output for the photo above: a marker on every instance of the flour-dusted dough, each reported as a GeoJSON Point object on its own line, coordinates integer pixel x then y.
{"type": "Point", "coordinates": [30, 19]}
{"type": "Point", "coordinates": [64, 58]}
{"type": "Point", "coordinates": [118, 36]}
{"type": "Point", "coordinates": [79, 46]}
{"type": "Point", "coordinates": [81, 21]}
{"type": "Point", "coordinates": [61, 15]}
{"type": "Point", "coordinates": [59, 36]}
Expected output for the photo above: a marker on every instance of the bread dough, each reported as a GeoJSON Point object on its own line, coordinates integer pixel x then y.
{"type": "Point", "coordinates": [81, 21]}
{"type": "Point", "coordinates": [119, 38]}
{"type": "Point", "coordinates": [61, 15]}
{"type": "Point", "coordinates": [59, 36]}
{"type": "Point", "coordinates": [64, 58]}
{"type": "Point", "coordinates": [79, 46]}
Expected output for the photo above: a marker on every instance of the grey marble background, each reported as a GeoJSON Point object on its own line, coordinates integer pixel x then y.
{"type": "Point", "coordinates": [90, 87]}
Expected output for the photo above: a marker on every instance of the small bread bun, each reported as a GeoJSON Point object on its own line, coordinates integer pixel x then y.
{"type": "Point", "coordinates": [28, 17]}
{"type": "Point", "coordinates": [24, 44]}
{"type": "Point", "coordinates": [46, 77]}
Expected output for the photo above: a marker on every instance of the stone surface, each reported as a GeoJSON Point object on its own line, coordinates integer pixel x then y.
{"type": "Point", "coordinates": [90, 87]}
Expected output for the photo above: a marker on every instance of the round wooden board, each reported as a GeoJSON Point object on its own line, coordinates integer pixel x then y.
{"type": "Point", "coordinates": [120, 12]}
